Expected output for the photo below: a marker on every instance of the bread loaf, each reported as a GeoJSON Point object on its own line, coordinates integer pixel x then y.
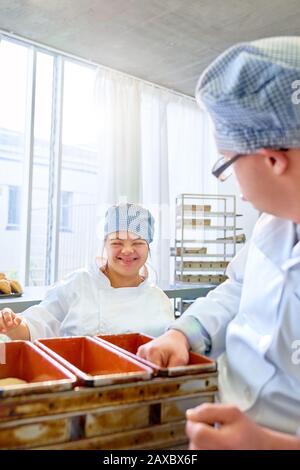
{"type": "Point", "coordinates": [9, 286]}
{"type": "Point", "coordinates": [5, 286]}
{"type": "Point", "coordinates": [16, 287]}
{"type": "Point", "coordinates": [11, 381]}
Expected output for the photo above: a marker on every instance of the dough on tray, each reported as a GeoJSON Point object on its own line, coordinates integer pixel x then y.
{"type": "Point", "coordinates": [11, 381]}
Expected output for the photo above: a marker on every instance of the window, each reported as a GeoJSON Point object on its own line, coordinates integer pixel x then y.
{"type": "Point", "coordinates": [14, 64]}
{"type": "Point", "coordinates": [79, 172]}
{"type": "Point", "coordinates": [48, 164]}
{"type": "Point", "coordinates": [66, 211]}
{"type": "Point", "coordinates": [13, 216]}
{"type": "Point", "coordinates": [41, 167]}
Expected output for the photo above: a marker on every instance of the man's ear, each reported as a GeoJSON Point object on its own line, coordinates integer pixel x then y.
{"type": "Point", "coordinates": [277, 160]}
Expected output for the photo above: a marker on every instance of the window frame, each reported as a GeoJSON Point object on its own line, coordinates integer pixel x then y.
{"type": "Point", "coordinates": [13, 225]}
{"type": "Point", "coordinates": [65, 209]}
{"type": "Point", "coordinates": [55, 161]}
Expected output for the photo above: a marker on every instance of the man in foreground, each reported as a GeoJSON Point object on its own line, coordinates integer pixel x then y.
{"type": "Point", "coordinates": [252, 320]}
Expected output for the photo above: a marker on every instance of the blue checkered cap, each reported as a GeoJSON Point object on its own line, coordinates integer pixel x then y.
{"type": "Point", "coordinates": [130, 218]}
{"type": "Point", "coordinates": [252, 92]}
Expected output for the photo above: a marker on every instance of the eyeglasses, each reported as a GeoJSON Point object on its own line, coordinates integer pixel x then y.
{"type": "Point", "coordinates": [221, 168]}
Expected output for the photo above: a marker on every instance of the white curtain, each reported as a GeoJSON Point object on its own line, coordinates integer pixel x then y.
{"type": "Point", "coordinates": [119, 137]}
{"type": "Point", "coordinates": [155, 174]}
{"type": "Point", "coordinates": [192, 150]}
{"type": "Point", "coordinates": [153, 145]}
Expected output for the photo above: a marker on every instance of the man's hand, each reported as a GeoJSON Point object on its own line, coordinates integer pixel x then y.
{"type": "Point", "coordinates": [217, 426]}
{"type": "Point", "coordinates": [8, 320]}
{"type": "Point", "coordinates": [170, 349]}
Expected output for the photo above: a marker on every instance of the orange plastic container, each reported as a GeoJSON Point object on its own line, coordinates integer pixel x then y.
{"type": "Point", "coordinates": [130, 342]}
{"type": "Point", "coordinates": [23, 360]}
{"type": "Point", "coordinates": [95, 363]}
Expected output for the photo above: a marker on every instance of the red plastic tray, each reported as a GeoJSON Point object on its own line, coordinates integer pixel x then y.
{"type": "Point", "coordinates": [95, 363]}
{"type": "Point", "coordinates": [130, 343]}
{"type": "Point", "coordinates": [24, 360]}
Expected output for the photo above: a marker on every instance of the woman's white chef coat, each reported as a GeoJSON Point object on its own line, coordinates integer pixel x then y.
{"type": "Point", "coordinates": [85, 303]}
{"type": "Point", "coordinates": [254, 320]}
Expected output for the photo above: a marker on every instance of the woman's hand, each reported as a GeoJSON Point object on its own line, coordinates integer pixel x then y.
{"type": "Point", "coordinates": [169, 350]}
{"type": "Point", "coordinates": [8, 320]}
{"type": "Point", "coordinates": [217, 426]}
{"type": "Point", "coordinates": [14, 326]}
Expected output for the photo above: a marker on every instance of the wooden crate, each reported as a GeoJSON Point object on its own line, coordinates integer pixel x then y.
{"type": "Point", "coordinates": [143, 415]}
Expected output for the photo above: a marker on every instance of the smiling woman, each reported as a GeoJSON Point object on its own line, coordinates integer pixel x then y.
{"type": "Point", "coordinates": [127, 254]}
{"type": "Point", "coordinates": [115, 296]}
{"type": "Point", "coordinates": [128, 231]}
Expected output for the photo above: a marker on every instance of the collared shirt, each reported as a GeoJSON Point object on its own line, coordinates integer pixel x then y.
{"type": "Point", "coordinates": [253, 321]}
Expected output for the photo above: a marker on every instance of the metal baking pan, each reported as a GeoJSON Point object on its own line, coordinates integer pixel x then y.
{"type": "Point", "coordinates": [130, 343]}
{"type": "Point", "coordinates": [23, 360]}
{"type": "Point", "coordinates": [11, 296]}
{"type": "Point", "coordinates": [95, 363]}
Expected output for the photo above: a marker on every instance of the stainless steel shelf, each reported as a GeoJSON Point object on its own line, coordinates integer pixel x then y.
{"type": "Point", "coordinates": [201, 265]}
{"type": "Point", "coordinates": [200, 222]}
{"type": "Point", "coordinates": [201, 256]}
{"type": "Point", "coordinates": [209, 227]}
{"type": "Point", "coordinates": [208, 214]}
{"type": "Point", "coordinates": [222, 242]}
{"type": "Point", "coordinates": [202, 278]}
{"type": "Point", "coordinates": [201, 270]}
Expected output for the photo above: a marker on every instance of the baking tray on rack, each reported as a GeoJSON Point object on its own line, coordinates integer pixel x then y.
{"type": "Point", "coordinates": [12, 296]}
{"type": "Point", "coordinates": [95, 363]}
{"type": "Point", "coordinates": [130, 343]}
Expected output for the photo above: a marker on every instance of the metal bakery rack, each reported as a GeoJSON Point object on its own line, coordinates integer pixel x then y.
{"type": "Point", "coordinates": [206, 237]}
